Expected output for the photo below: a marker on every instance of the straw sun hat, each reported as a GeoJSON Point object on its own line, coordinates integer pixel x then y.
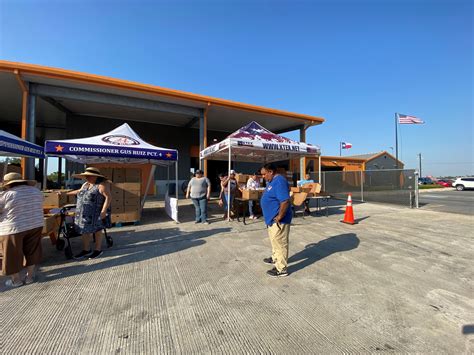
{"type": "Point", "coordinates": [12, 178]}
{"type": "Point", "coordinates": [90, 172]}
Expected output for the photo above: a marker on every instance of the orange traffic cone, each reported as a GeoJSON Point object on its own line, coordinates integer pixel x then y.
{"type": "Point", "coordinates": [349, 215]}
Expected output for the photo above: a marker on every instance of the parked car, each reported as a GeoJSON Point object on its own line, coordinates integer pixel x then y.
{"type": "Point", "coordinates": [464, 183]}
{"type": "Point", "coordinates": [425, 181]}
{"type": "Point", "coordinates": [445, 183]}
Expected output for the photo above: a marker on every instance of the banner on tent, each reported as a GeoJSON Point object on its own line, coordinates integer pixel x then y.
{"type": "Point", "coordinates": [65, 148]}
{"type": "Point", "coordinates": [20, 147]}
{"type": "Point", "coordinates": [209, 150]}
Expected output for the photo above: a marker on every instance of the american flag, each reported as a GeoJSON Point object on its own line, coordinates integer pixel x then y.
{"type": "Point", "coordinates": [405, 119]}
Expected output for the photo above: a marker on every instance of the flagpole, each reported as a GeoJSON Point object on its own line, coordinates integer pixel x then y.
{"type": "Point", "coordinates": [396, 138]}
{"type": "Point", "coordinates": [340, 150]}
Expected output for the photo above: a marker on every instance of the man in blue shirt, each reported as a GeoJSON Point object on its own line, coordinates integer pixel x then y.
{"type": "Point", "coordinates": [277, 213]}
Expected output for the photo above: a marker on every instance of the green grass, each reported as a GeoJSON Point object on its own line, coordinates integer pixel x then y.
{"type": "Point", "coordinates": [430, 186]}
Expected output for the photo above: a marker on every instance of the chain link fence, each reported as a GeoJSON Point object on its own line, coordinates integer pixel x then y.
{"type": "Point", "coordinates": [388, 186]}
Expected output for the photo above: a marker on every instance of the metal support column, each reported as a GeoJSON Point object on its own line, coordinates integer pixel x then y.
{"type": "Point", "coordinates": [205, 136]}
{"type": "Point", "coordinates": [176, 171]}
{"type": "Point", "coordinates": [228, 183]}
{"type": "Point", "coordinates": [45, 174]}
{"type": "Point", "coordinates": [202, 133]}
{"type": "Point", "coordinates": [303, 159]}
{"type": "Point", "coordinates": [319, 171]}
{"type": "Point", "coordinates": [417, 191]}
{"type": "Point", "coordinates": [31, 135]}
{"type": "Point", "coordinates": [60, 171]}
{"type": "Point", "coordinates": [362, 186]}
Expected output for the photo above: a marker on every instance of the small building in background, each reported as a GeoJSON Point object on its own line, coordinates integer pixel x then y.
{"type": "Point", "coordinates": [372, 161]}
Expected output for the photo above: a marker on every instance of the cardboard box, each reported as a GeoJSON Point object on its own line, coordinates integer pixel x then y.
{"type": "Point", "coordinates": [117, 208]}
{"type": "Point", "coordinates": [133, 175]}
{"type": "Point", "coordinates": [117, 192]}
{"type": "Point", "coordinates": [134, 187]}
{"type": "Point", "coordinates": [55, 198]}
{"type": "Point", "coordinates": [119, 175]}
{"type": "Point", "coordinates": [241, 178]}
{"type": "Point", "coordinates": [71, 199]}
{"type": "Point", "coordinates": [118, 186]}
{"type": "Point", "coordinates": [132, 201]}
{"type": "Point", "coordinates": [130, 194]}
{"type": "Point", "coordinates": [250, 194]}
{"type": "Point", "coordinates": [107, 172]}
{"type": "Point", "coordinates": [51, 224]}
{"type": "Point", "coordinates": [132, 216]}
{"type": "Point", "coordinates": [116, 217]}
{"type": "Point", "coordinates": [127, 209]}
{"type": "Point", "coordinates": [117, 202]}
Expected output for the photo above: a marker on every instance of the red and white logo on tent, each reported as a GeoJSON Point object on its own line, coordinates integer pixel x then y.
{"type": "Point", "coordinates": [120, 140]}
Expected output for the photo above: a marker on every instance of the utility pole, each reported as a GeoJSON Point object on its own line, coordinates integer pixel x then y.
{"type": "Point", "coordinates": [419, 163]}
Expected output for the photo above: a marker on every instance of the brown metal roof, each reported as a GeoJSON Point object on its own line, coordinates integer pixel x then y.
{"type": "Point", "coordinates": [223, 115]}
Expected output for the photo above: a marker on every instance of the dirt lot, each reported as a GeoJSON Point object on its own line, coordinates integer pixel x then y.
{"type": "Point", "coordinates": [400, 281]}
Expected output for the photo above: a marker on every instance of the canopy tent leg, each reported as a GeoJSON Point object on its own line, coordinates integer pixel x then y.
{"type": "Point", "coordinates": [228, 183]}
{"type": "Point", "coordinates": [167, 192]}
{"type": "Point", "coordinates": [45, 173]}
{"type": "Point", "coordinates": [176, 190]}
{"type": "Point", "coordinates": [60, 172]}
{"type": "Point", "coordinates": [150, 177]}
{"type": "Point", "coordinates": [319, 171]}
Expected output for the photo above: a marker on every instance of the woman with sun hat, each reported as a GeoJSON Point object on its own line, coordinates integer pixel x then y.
{"type": "Point", "coordinates": [93, 202]}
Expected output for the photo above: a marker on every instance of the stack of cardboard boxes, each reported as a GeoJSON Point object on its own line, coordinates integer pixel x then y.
{"type": "Point", "coordinates": [55, 198]}
{"type": "Point", "coordinates": [126, 194]}
{"type": "Point", "coordinates": [247, 194]}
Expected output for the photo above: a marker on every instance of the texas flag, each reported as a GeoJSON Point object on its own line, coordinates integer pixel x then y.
{"type": "Point", "coordinates": [346, 145]}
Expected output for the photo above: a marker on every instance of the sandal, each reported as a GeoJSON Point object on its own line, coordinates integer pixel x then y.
{"type": "Point", "coordinates": [10, 283]}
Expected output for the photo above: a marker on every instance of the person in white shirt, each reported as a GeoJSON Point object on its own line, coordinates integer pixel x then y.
{"type": "Point", "coordinates": [21, 225]}
{"type": "Point", "coordinates": [253, 183]}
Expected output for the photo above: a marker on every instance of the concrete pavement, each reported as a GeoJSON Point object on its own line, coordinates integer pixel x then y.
{"type": "Point", "coordinates": [400, 281]}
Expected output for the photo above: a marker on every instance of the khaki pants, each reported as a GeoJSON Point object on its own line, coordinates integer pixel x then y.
{"type": "Point", "coordinates": [19, 247]}
{"type": "Point", "coordinates": [278, 234]}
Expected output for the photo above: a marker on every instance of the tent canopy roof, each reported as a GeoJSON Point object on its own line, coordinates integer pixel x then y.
{"type": "Point", "coordinates": [254, 143]}
{"type": "Point", "coordinates": [13, 146]}
{"type": "Point", "coordinates": [121, 145]}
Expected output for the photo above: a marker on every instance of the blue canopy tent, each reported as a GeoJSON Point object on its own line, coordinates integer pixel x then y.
{"type": "Point", "coordinates": [121, 145]}
{"type": "Point", "coordinates": [13, 146]}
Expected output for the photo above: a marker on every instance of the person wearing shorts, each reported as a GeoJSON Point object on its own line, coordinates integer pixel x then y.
{"type": "Point", "coordinates": [21, 225]}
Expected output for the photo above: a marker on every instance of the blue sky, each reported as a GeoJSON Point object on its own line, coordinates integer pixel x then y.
{"type": "Point", "coordinates": [354, 63]}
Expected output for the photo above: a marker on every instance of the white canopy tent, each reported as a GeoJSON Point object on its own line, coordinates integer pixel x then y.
{"type": "Point", "coordinates": [121, 145]}
{"type": "Point", "coordinates": [254, 143]}
{"type": "Point", "coordinates": [13, 146]}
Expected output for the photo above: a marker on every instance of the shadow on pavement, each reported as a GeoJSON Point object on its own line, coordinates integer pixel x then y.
{"type": "Point", "coordinates": [317, 251]}
{"type": "Point", "coordinates": [132, 247]}
{"type": "Point", "coordinates": [357, 220]}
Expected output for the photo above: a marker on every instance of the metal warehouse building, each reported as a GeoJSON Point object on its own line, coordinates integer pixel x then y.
{"type": "Point", "coordinates": [40, 103]}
